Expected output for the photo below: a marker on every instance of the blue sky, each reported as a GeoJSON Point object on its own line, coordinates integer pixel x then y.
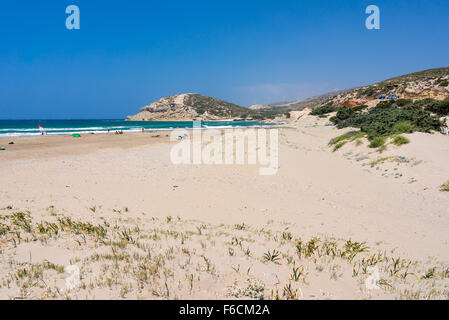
{"type": "Point", "coordinates": [130, 53]}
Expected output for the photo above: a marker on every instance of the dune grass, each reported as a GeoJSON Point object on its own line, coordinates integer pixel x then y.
{"type": "Point", "coordinates": [400, 140]}
{"type": "Point", "coordinates": [377, 142]}
{"type": "Point", "coordinates": [338, 146]}
{"type": "Point", "coordinates": [445, 186]}
{"type": "Point", "coordinates": [173, 258]}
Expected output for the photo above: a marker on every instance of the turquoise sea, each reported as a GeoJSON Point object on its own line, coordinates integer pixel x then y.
{"type": "Point", "coordinates": [15, 128]}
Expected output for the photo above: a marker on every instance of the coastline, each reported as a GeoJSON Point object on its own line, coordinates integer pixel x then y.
{"type": "Point", "coordinates": [85, 127]}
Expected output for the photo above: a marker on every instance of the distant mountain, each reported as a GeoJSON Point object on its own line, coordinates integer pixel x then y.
{"type": "Point", "coordinates": [190, 106]}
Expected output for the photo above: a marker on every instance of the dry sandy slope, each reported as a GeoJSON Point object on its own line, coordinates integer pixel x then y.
{"type": "Point", "coordinates": [315, 191]}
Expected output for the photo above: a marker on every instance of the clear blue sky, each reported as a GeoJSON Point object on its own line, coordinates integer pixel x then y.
{"type": "Point", "coordinates": [130, 53]}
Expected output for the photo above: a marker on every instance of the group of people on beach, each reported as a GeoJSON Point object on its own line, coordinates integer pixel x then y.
{"type": "Point", "coordinates": [116, 131]}
{"type": "Point", "coordinates": [121, 131]}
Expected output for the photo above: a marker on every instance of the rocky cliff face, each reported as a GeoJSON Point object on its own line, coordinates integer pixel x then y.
{"type": "Point", "coordinates": [188, 107]}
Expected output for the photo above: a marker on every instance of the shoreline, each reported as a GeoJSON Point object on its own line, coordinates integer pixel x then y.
{"type": "Point", "coordinates": [137, 130]}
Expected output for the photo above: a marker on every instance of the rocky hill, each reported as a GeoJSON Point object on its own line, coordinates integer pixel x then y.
{"type": "Point", "coordinates": [188, 107]}
{"type": "Point", "coordinates": [432, 83]}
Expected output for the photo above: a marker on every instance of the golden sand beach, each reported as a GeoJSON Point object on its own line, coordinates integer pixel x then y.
{"type": "Point", "coordinates": [138, 226]}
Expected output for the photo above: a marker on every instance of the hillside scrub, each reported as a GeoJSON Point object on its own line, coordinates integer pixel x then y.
{"type": "Point", "coordinates": [322, 110]}
{"type": "Point", "coordinates": [439, 107]}
{"type": "Point", "coordinates": [390, 118]}
{"type": "Point", "coordinates": [403, 127]}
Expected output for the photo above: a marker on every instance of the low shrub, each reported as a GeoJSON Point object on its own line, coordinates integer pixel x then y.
{"type": "Point", "coordinates": [383, 119]}
{"type": "Point", "coordinates": [442, 82]}
{"type": "Point", "coordinates": [359, 108]}
{"type": "Point", "coordinates": [441, 108]}
{"type": "Point", "coordinates": [403, 127]}
{"type": "Point", "coordinates": [400, 140]}
{"type": "Point", "coordinates": [377, 142]}
{"type": "Point", "coordinates": [403, 102]}
{"type": "Point", "coordinates": [327, 108]}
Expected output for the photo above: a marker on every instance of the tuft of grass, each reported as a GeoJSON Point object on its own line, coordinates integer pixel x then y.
{"type": "Point", "coordinates": [358, 135]}
{"type": "Point", "coordinates": [377, 142]}
{"type": "Point", "coordinates": [340, 138]}
{"type": "Point", "coordinates": [400, 140]}
{"type": "Point", "coordinates": [380, 160]}
{"type": "Point", "coordinates": [338, 146]}
{"type": "Point", "coordinates": [272, 256]}
{"type": "Point", "coordinates": [296, 273]}
{"type": "Point", "coordinates": [445, 186]}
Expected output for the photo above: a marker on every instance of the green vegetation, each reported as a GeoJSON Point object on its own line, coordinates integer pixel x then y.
{"type": "Point", "coordinates": [338, 146]}
{"type": "Point", "coordinates": [441, 108]}
{"type": "Point", "coordinates": [403, 127]}
{"type": "Point", "coordinates": [341, 140]}
{"type": "Point", "coordinates": [377, 142]}
{"type": "Point", "coordinates": [442, 82]}
{"type": "Point", "coordinates": [358, 135]}
{"type": "Point", "coordinates": [445, 186]}
{"type": "Point", "coordinates": [327, 108]}
{"type": "Point", "coordinates": [420, 75]}
{"type": "Point", "coordinates": [338, 139]}
{"type": "Point", "coordinates": [344, 113]}
{"type": "Point", "coordinates": [400, 140]}
{"type": "Point", "coordinates": [212, 106]}
{"type": "Point", "coordinates": [390, 118]}
{"type": "Point", "coordinates": [272, 256]}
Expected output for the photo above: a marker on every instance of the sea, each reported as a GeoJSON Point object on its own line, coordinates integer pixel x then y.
{"type": "Point", "coordinates": [17, 128]}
